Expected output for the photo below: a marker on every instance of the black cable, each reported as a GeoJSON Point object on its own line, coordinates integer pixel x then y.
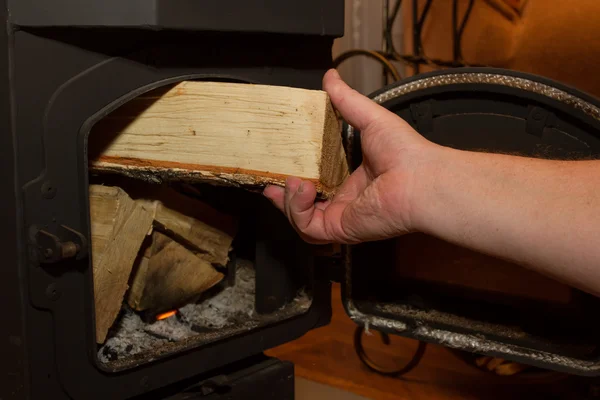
{"type": "Point", "coordinates": [419, 57]}
{"type": "Point", "coordinates": [373, 366]}
{"type": "Point", "coordinates": [457, 31]}
{"type": "Point", "coordinates": [411, 60]}
{"type": "Point", "coordinates": [463, 24]}
{"type": "Point", "coordinates": [432, 62]}
{"type": "Point", "coordinates": [389, 28]}
{"type": "Point", "coordinates": [392, 17]}
{"type": "Point", "coordinates": [424, 14]}
{"type": "Point", "coordinates": [389, 48]}
{"type": "Point", "coordinates": [416, 34]}
{"type": "Point", "coordinates": [418, 22]}
{"type": "Point", "coordinates": [455, 38]}
{"type": "Point", "coordinates": [389, 67]}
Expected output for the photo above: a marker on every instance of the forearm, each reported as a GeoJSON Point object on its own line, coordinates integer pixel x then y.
{"type": "Point", "coordinates": [539, 213]}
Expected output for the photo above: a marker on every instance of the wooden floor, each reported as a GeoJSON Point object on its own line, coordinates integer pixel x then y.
{"type": "Point", "coordinates": [326, 355]}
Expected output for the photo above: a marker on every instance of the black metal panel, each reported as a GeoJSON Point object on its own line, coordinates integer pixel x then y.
{"type": "Point", "coordinates": [480, 110]}
{"type": "Point", "coordinates": [310, 17]}
{"type": "Point", "coordinates": [86, 74]}
{"type": "Point", "coordinates": [265, 378]}
{"type": "Point", "coordinates": [13, 377]}
{"type": "Point", "coordinates": [282, 261]}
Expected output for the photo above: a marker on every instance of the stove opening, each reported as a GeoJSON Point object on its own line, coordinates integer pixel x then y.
{"type": "Point", "coordinates": [180, 263]}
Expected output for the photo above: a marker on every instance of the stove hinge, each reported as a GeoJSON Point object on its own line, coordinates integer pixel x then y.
{"type": "Point", "coordinates": [50, 248]}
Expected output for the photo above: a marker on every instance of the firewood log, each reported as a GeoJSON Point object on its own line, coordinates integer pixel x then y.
{"type": "Point", "coordinates": [176, 265]}
{"type": "Point", "coordinates": [198, 226]}
{"type": "Point", "coordinates": [118, 226]}
{"type": "Point", "coordinates": [169, 276]}
{"type": "Point", "coordinates": [224, 133]}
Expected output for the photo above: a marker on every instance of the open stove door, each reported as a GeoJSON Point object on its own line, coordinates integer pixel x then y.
{"type": "Point", "coordinates": [426, 289]}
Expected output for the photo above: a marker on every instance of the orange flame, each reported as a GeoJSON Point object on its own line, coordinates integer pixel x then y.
{"type": "Point", "coordinates": [166, 315]}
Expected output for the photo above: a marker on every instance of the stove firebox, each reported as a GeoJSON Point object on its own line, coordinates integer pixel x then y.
{"type": "Point", "coordinates": [67, 64]}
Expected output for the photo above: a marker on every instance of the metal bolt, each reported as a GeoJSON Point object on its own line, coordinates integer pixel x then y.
{"type": "Point", "coordinates": [48, 252]}
{"type": "Point", "coordinates": [69, 249]}
{"type": "Point", "coordinates": [48, 190]}
{"type": "Point", "coordinates": [52, 292]}
{"type": "Point", "coordinates": [538, 116]}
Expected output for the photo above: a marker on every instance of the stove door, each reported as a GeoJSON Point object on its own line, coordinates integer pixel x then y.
{"type": "Point", "coordinates": [433, 291]}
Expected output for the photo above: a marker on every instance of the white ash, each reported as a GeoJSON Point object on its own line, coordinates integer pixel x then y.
{"type": "Point", "coordinates": [230, 308]}
{"type": "Point", "coordinates": [232, 305]}
{"type": "Point", "coordinates": [170, 328]}
{"type": "Point", "coordinates": [130, 338]}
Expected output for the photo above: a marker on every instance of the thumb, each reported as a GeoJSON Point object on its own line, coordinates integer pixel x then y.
{"type": "Point", "coordinates": [356, 109]}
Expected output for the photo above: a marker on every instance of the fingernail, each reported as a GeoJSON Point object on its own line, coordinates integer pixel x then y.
{"type": "Point", "coordinates": [301, 187]}
{"type": "Point", "coordinates": [336, 74]}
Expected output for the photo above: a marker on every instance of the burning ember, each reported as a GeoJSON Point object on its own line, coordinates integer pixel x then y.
{"type": "Point", "coordinates": [166, 315]}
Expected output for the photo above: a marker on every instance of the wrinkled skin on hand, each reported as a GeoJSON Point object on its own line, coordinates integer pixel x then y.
{"type": "Point", "coordinates": [376, 201]}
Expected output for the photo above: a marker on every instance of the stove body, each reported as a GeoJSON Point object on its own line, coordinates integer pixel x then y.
{"type": "Point", "coordinates": [65, 65]}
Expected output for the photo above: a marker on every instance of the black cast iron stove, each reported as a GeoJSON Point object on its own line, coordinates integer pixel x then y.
{"type": "Point", "coordinates": [67, 63]}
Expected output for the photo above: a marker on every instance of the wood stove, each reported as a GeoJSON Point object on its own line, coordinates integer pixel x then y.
{"type": "Point", "coordinates": [67, 64]}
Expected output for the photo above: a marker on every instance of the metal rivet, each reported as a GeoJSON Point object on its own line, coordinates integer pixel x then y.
{"type": "Point", "coordinates": [538, 116]}
{"type": "Point", "coordinates": [48, 190]}
{"type": "Point", "coordinates": [52, 292]}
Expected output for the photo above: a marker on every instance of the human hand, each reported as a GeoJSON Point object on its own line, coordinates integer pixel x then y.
{"type": "Point", "coordinates": [376, 201]}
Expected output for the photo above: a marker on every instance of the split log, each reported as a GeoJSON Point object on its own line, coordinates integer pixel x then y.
{"type": "Point", "coordinates": [118, 226]}
{"type": "Point", "coordinates": [198, 226]}
{"type": "Point", "coordinates": [169, 276]}
{"type": "Point", "coordinates": [227, 133]}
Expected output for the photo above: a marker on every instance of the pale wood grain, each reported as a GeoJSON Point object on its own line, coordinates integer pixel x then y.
{"type": "Point", "coordinates": [118, 226]}
{"type": "Point", "coordinates": [237, 134]}
{"type": "Point", "coordinates": [195, 224]}
{"type": "Point", "coordinates": [169, 276]}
